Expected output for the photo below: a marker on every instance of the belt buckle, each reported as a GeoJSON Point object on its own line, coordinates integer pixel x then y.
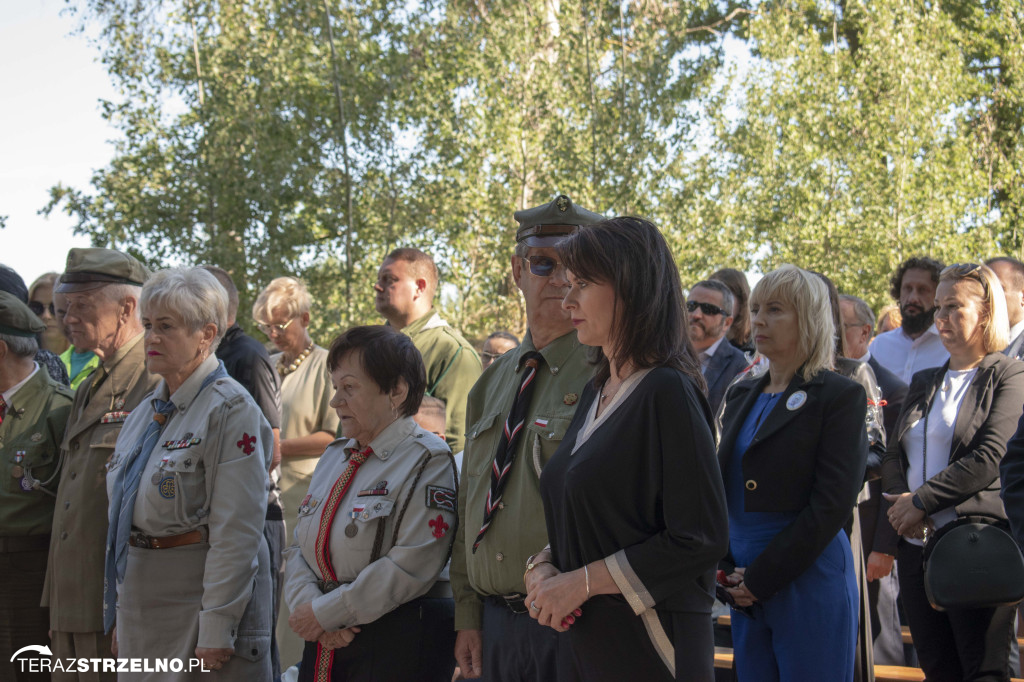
{"type": "Point", "coordinates": [515, 603]}
{"type": "Point", "coordinates": [141, 540]}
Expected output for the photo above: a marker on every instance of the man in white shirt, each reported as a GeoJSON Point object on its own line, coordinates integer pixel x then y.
{"type": "Point", "coordinates": [916, 344]}
{"type": "Point", "coordinates": [1010, 272]}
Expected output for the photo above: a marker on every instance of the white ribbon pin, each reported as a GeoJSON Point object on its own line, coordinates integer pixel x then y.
{"type": "Point", "coordinates": [796, 401]}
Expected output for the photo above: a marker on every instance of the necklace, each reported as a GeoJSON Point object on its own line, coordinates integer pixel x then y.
{"type": "Point", "coordinates": [285, 371]}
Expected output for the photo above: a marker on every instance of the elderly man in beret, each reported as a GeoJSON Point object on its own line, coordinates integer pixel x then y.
{"type": "Point", "coordinates": [496, 636]}
{"type": "Point", "coordinates": [33, 413]}
{"type": "Point", "coordinates": [102, 287]}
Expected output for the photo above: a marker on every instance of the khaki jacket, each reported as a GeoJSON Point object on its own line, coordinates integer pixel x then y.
{"type": "Point", "coordinates": [74, 575]}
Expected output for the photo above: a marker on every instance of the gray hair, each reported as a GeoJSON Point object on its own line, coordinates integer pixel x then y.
{"type": "Point", "coordinates": [21, 346]}
{"type": "Point", "coordinates": [861, 310]}
{"type": "Point", "coordinates": [193, 294]}
{"type": "Point", "coordinates": [728, 299]}
{"type": "Point", "coordinates": [117, 293]}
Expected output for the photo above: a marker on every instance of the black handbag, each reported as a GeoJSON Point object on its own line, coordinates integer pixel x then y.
{"type": "Point", "coordinates": [973, 563]}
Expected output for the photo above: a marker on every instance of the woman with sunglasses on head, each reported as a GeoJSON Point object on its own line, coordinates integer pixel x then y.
{"type": "Point", "coordinates": [943, 463]}
{"type": "Point", "coordinates": [308, 424]}
{"type": "Point", "coordinates": [633, 496]}
{"type": "Point", "coordinates": [793, 453]}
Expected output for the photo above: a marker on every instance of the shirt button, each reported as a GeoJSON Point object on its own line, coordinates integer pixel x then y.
{"type": "Point", "coordinates": [751, 484]}
{"type": "Point", "coordinates": [551, 435]}
{"type": "Point", "coordinates": [67, 504]}
{"type": "Point", "coordinates": [64, 535]}
{"type": "Point", "coordinates": [499, 556]}
{"type": "Point", "coordinates": [501, 505]}
{"type": "Point", "coordinates": [554, 370]}
{"type": "Point", "coordinates": [73, 474]}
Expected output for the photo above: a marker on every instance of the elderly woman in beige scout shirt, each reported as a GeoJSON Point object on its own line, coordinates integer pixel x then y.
{"type": "Point", "coordinates": [376, 526]}
{"type": "Point", "coordinates": [187, 490]}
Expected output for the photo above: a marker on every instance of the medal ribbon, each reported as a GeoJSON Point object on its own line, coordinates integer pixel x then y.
{"type": "Point", "coordinates": [324, 658]}
{"type": "Point", "coordinates": [509, 442]}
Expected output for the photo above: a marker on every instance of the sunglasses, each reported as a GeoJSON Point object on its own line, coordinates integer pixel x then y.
{"type": "Point", "coordinates": [705, 308]}
{"type": "Point", "coordinates": [38, 308]}
{"type": "Point", "coordinates": [542, 266]}
{"type": "Point", "coordinates": [279, 328]}
{"type": "Point", "coordinates": [972, 270]}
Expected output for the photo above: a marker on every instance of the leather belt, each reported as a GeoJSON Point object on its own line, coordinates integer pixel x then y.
{"type": "Point", "coordinates": [328, 585]}
{"type": "Point", "coordinates": [514, 602]}
{"type": "Point", "coordinates": [24, 543]}
{"type": "Point", "coordinates": [137, 539]}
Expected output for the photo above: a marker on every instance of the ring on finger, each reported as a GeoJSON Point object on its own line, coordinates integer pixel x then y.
{"type": "Point", "coordinates": [533, 605]}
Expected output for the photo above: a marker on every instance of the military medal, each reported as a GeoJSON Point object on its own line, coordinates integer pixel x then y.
{"type": "Point", "coordinates": [158, 475]}
{"type": "Point", "coordinates": [155, 478]}
{"type": "Point", "coordinates": [17, 471]}
{"type": "Point", "coordinates": [351, 530]}
{"type": "Point", "coordinates": [36, 437]}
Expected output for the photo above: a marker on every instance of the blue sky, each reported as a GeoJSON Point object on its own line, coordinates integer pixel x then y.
{"type": "Point", "coordinates": [52, 129]}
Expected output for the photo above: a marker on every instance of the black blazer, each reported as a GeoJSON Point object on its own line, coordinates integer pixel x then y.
{"type": "Point", "coordinates": [986, 421]}
{"type": "Point", "coordinates": [810, 460]}
{"type": "Point", "coordinates": [894, 392]}
{"type": "Point", "coordinates": [876, 532]}
{"type": "Point", "coordinates": [723, 366]}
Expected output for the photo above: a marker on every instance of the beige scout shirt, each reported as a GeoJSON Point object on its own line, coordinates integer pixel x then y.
{"type": "Point", "coordinates": [518, 529]}
{"type": "Point", "coordinates": [74, 573]}
{"type": "Point", "coordinates": [305, 409]}
{"type": "Point", "coordinates": [209, 468]}
{"type": "Point", "coordinates": [409, 564]}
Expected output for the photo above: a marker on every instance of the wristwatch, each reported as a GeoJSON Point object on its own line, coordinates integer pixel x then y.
{"type": "Point", "coordinates": [917, 502]}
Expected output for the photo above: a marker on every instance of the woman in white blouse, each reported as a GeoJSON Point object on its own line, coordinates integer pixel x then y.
{"type": "Point", "coordinates": [943, 463]}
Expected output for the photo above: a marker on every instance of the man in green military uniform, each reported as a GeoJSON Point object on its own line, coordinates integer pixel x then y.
{"type": "Point", "coordinates": [33, 413]}
{"type": "Point", "coordinates": [406, 284]}
{"type": "Point", "coordinates": [497, 637]}
{"type": "Point", "coordinates": [102, 315]}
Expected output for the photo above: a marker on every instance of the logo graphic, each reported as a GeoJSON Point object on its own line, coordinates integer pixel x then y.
{"type": "Point", "coordinates": [45, 650]}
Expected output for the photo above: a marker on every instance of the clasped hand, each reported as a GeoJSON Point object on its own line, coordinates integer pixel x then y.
{"type": "Point", "coordinates": [905, 518]}
{"type": "Point", "coordinates": [554, 598]}
{"type": "Point", "coordinates": [735, 586]}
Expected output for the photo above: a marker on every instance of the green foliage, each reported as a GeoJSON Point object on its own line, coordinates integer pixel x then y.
{"type": "Point", "coordinates": [310, 137]}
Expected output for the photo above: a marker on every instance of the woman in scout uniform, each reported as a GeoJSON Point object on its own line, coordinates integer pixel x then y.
{"type": "Point", "coordinates": [376, 526]}
{"type": "Point", "coordinates": [793, 454]}
{"type": "Point", "coordinates": [187, 489]}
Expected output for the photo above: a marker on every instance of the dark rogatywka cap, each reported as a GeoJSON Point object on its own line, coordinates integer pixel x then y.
{"type": "Point", "coordinates": [12, 283]}
{"type": "Point", "coordinates": [92, 268]}
{"type": "Point", "coordinates": [16, 319]}
{"type": "Point", "coordinates": [549, 224]}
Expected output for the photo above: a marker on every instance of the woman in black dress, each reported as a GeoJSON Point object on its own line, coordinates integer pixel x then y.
{"type": "Point", "coordinates": [633, 497]}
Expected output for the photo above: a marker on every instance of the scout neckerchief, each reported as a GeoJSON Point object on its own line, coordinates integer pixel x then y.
{"type": "Point", "coordinates": [509, 440]}
{"type": "Point", "coordinates": [123, 495]}
{"type": "Point", "coordinates": [325, 658]}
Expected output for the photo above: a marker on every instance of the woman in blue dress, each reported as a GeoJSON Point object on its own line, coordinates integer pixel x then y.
{"type": "Point", "coordinates": [793, 454]}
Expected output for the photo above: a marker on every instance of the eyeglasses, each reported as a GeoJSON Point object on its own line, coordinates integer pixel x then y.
{"type": "Point", "coordinates": [962, 270]}
{"type": "Point", "coordinates": [38, 308]}
{"type": "Point", "coordinates": [542, 266]}
{"type": "Point", "coordinates": [705, 308]}
{"type": "Point", "coordinates": [279, 328]}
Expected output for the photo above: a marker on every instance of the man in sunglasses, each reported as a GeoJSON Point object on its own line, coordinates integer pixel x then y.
{"type": "Point", "coordinates": [709, 306]}
{"type": "Point", "coordinates": [534, 388]}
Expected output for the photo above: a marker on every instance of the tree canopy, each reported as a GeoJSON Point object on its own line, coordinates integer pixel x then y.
{"type": "Point", "coordinates": [310, 137]}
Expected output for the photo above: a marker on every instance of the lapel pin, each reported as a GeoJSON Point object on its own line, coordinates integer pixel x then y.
{"type": "Point", "coordinates": [796, 401]}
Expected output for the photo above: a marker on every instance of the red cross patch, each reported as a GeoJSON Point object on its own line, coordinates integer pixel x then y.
{"type": "Point", "coordinates": [247, 443]}
{"type": "Point", "coordinates": [439, 527]}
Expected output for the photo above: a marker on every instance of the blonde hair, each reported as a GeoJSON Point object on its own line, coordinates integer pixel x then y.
{"type": "Point", "coordinates": [808, 296]}
{"type": "Point", "coordinates": [283, 292]}
{"type": "Point", "coordinates": [47, 279]}
{"type": "Point", "coordinates": [995, 324]}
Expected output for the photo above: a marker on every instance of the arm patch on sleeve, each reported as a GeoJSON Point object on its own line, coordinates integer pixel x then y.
{"type": "Point", "coordinates": [440, 498]}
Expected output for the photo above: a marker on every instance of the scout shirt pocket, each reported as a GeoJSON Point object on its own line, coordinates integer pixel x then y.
{"type": "Point", "coordinates": [481, 443]}
{"type": "Point", "coordinates": [25, 462]}
{"type": "Point", "coordinates": [361, 521]}
{"type": "Point", "coordinates": [544, 435]}
{"type": "Point", "coordinates": [182, 479]}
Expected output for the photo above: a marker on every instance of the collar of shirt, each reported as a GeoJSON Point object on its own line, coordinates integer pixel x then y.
{"type": "Point", "coordinates": [387, 440]}
{"type": "Point", "coordinates": [555, 354]}
{"type": "Point", "coordinates": [121, 352]}
{"type": "Point", "coordinates": [712, 349]}
{"type": "Point", "coordinates": [1016, 331]}
{"type": "Point", "coordinates": [189, 389]}
{"type": "Point", "coordinates": [864, 358]}
{"type": "Point", "coordinates": [429, 321]}
{"type": "Point", "coordinates": [9, 393]}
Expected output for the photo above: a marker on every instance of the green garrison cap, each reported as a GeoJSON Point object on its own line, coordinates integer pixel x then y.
{"type": "Point", "coordinates": [92, 268]}
{"type": "Point", "coordinates": [16, 319]}
{"type": "Point", "coordinates": [549, 224]}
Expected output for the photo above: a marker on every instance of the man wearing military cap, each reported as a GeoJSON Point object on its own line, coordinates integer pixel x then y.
{"type": "Point", "coordinates": [102, 287]}
{"type": "Point", "coordinates": [497, 638]}
{"type": "Point", "coordinates": [33, 413]}
{"type": "Point", "coordinates": [405, 288]}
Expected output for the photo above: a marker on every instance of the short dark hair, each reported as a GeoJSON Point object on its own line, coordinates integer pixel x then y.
{"type": "Point", "coordinates": [229, 286]}
{"type": "Point", "coordinates": [502, 334]}
{"type": "Point", "coordinates": [919, 263]}
{"type": "Point", "coordinates": [737, 282]}
{"type": "Point", "coordinates": [728, 300]}
{"type": "Point", "coordinates": [422, 265]}
{"type": "Point", "coordinates": [387, 355]}
{"type": "Point", "coordinates": [649, 320]}
{"type": "Point", "coordinates": [1016, 267]}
